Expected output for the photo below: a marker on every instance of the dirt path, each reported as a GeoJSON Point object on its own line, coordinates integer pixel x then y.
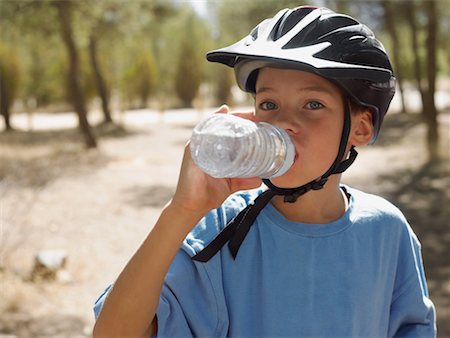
{"type": "Point", "coordinates": [98, 206]}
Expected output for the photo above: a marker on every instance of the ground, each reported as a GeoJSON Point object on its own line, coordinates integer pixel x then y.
{"type": "Point", "coordinates": [98, 205]}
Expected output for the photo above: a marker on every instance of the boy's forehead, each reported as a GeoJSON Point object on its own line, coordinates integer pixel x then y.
{"type": "Point", "coordinates": [272, 77]}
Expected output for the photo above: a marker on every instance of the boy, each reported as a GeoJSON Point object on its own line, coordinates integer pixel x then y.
{"type": "Point", "coordinates": [307, 257]}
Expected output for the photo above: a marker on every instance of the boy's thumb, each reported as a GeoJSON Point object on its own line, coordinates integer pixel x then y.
{"type": "Point", "coordinates": [224, 109]}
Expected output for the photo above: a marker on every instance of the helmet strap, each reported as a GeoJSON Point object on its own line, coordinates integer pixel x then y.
{"type": "Point", "coordinates": [339, 166]}
{"type": "Point", "coordinates": [236, 230]}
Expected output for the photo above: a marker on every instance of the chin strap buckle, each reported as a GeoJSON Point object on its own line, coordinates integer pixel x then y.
{"type": "Point", "coordinates": [317, 185]}
{"type": "Point", "coordinates": [313, 185]}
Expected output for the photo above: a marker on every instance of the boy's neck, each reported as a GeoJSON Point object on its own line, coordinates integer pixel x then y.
{"type": "Point", "coordinates": [316, 206]}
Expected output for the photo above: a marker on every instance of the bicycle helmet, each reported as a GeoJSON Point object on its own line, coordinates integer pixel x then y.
{"type": "Point", "coordinates": [331, 45]}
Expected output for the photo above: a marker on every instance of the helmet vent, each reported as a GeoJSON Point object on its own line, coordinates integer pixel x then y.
{"type": "Point", "coordinates": [288, 21]}
{"type": "Point", "coordinates": [254, 34]}
{"type": "Point", "coordinates": [318, 30]}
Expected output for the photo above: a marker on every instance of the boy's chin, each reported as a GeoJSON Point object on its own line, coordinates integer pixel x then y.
{"type": "Point", "coordinates": [288, 181]}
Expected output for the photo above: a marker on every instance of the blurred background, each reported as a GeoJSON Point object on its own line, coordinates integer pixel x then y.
{"type": "Point", "coordinates": [97, 99]}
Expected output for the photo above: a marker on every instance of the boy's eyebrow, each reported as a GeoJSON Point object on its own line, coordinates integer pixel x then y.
{"type": "Point", "coordinates": [319, 89]}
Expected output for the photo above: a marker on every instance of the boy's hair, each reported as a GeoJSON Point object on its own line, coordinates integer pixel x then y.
{"type": "Point", "coordinates": [356, 108]}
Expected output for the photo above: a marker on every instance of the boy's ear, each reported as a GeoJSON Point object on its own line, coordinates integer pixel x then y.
{"type": "Point", "coordinates": [362, 129]}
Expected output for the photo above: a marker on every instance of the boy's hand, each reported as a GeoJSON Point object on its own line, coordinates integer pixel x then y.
{"type": "Point", "coordinates": [125, 312]}
{"type": "Point", "coordinates": [197, 192]}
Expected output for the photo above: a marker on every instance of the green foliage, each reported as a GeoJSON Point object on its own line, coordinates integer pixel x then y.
{"type": "Point", "coordinates": [443, 8]}
{"type": "Point", "coordinates": [88, 83]}
{"type": "Point", "coordinates": [188, 74]}
{"type": "Point", "coordinates": [10, 75]}
{"type": "Point", "coordinates": [46, 69]}
{"type": "Point", "coordinates": [189, 66]}
{"type": "Point", "coordinates": [224, 82]}
{"type": "Point", "coordinates": [139, 79]}
{"type": "Point", "coordinates": [237, 17]}
{"type": "Point", "coordinates": [170, 40]}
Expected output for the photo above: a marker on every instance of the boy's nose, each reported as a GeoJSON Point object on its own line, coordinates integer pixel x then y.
{"type": "Point", "coordinates": [285, 119]}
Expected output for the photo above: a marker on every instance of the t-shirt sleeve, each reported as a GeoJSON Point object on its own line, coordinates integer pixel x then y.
{"type": "Point", "coordinates": [98, 305]}
{"type": "Point", "coordinates": [412, 312]}
{"type": "Point", "coordinates": [192, 301]}
{"type": "Point", "coordinates": [190, 305]}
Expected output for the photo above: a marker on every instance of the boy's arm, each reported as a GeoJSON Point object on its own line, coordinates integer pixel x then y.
{"type": "Point", "coordinates": [412, 315]}
{"type": "Point", "coordinates": [412, 312]}
{"type": "Point", "coordinates": [131, 304]}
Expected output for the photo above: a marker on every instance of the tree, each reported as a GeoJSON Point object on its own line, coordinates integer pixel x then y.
{"type": "Point", "coordinates": [28, 17]}
{"type": "Point", "coordinates": [412, 19]}
{"type": "Point", "coordinates": [45, 63]}
{"type": "Point", "coordinates": [188, 76]}
{"type": "Point", "coordinates": [224, 85]}
{"type": "Point", "coordinates": [9, 82]}
{"type": "Point", "coordinates": [390, 19]}
{"type": "Point", "coordinates": [140, 79]}
{"type": "Point", "coordinates": [425, 76]}
{"type": "Point", "coordinates": [430, 110]}
{"type": "Point", "coordinates": [102, 87]}
{"type": "Point", "coordinates": [64, 9]}
{"type": "Point", "coordinates": [116, 28]}
{"type": "Point", "coordinates": [105, 19]}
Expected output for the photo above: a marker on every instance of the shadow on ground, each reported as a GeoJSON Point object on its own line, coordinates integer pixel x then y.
{"type": "Point", "coordinates": [423, 195]}
{"type": "Point", "coordinates": [395, 128]}
{"type": "Point", "coordinates": [150, 196]}
{"type": "Point", "coordinates": [424, 198]}
{"type": "Point", "coordinates": [53, 325]}
{"type": "Point", "coordinates": [70, 135]}
{"type": "Point", "coordinates": [35, 158]}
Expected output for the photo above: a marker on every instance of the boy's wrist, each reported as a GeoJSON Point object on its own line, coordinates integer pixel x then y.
{"type": "Point", "coordinates": [180, 217]}
{"type": "Point", "coordinates": [183, 210]}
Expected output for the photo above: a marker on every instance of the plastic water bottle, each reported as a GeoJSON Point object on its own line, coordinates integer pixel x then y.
{"type": "Point", "coordinates": [225, 145]}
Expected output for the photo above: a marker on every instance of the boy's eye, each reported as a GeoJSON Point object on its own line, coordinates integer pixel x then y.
{"type": "Point", "coordinates": [314, 105]}
{"type": "Point", "coordinates": [267, 105]}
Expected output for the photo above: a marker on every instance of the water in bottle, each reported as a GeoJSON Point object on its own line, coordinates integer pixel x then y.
{"type": "Point", "coordinates": [224, 145]}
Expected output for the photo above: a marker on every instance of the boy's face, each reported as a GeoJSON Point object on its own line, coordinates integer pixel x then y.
{"type": "Point", "coordinates": [311, 110]}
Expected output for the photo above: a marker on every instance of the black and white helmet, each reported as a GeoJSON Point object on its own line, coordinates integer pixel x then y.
{"type": "Point", "coordinates": [334, 46]}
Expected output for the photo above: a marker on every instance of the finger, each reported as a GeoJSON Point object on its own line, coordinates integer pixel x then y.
{"type": "Point", "coordinates": [245, 183]}
{"type": "Point", "coordinates": [247, 115]}
{"type": "Point", "coordinates": [224, 109]}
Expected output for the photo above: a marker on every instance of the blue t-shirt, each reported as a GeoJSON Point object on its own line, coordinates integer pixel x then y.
{"type": "Point", "coordinates": [359, 276]}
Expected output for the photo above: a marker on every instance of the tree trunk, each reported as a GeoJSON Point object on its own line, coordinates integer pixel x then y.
{"type": "Point", "coordinates": [411, 13]}
{"type": "Point", "coordinates": [75, 91]}
{"type": "Point", "coordinates": [430, 109]}
{"type": "Point", "coordinates": [99, 79]}
{"type": "Point", "coordinates": [390, 24]}
{"type": "Point", "coordinates": [5, 102]}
